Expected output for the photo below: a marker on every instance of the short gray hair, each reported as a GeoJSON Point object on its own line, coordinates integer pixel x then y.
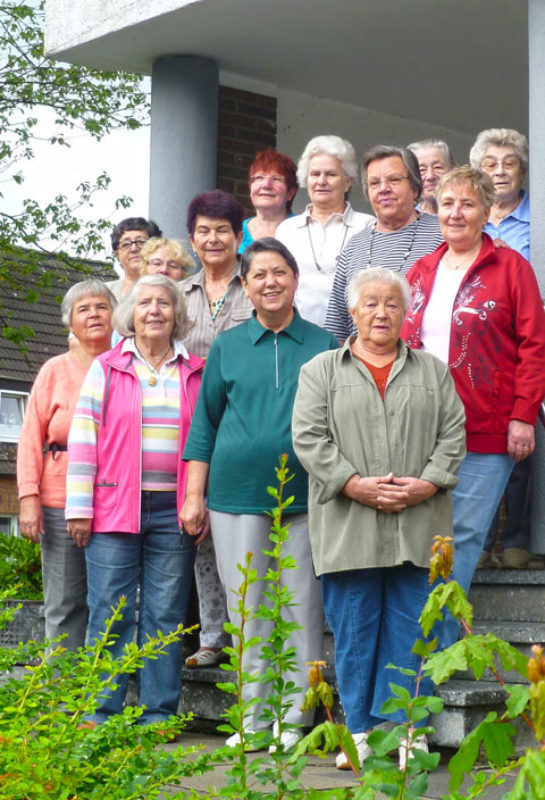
{"type": "Point", "coordinates": [438, 144]}
{"type": "Point", "coordinates": [410, 161]}
{"type": "Point", "coordinates": [123, 320]}
{"type": "Point", "coordinates": [499, 137]}
{"type": "Point", "coordinates": [378, 275]}
{"type": "Point", "coordinates": [92, 287]}
{"type": "Point", "coordinates": [331, 146]}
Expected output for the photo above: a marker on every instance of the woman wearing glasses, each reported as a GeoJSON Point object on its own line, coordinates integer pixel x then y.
{"type": "Point", "coordinates": [318, 235]}
{"type": "Point", "coordinates": [273, 185]}
{"type": "Point", "coordinates": [160, 256]}
{"type": "Point", "coordinates": [400, 235]}
{"type": "Point", "coordinates": [128, 238]}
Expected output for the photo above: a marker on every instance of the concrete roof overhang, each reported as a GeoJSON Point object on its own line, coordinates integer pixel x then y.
{"type": "Point", "coordinates": [462, 64]}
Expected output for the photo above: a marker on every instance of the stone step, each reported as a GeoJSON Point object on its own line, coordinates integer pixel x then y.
{"type": "Point", "coordinates": [509, 595]}
{"type": "Point", "coordinates": [466, 704]}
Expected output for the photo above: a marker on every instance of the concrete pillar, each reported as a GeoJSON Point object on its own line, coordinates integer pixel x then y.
{"type": "Point", "coordinates": [536, 53]}
{"type": "Point", "coordinates": [184, 137]}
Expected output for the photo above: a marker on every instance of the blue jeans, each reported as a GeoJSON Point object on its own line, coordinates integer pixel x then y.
{"type": "Point", "coordinates": [160, 560]}
{"type": "Point", "coordinates": [482, 481]}
{"type": "Point", "coordinates": [517, 496]}
{"type": "Point", "coordinates": [373, 614]}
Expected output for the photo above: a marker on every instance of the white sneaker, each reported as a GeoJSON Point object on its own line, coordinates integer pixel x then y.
{"type": "Point", "coordinates": [364, 751]}
{"type": "Point", "coordinates": [288, 739]}
{"type": "Point", "coordinates": [420, 742]}
{"type": "Point", "coordinates": [249, 747]}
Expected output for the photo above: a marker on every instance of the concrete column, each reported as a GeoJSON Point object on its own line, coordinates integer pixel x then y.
{"type": "Point", "coordinates": [536, 53]}
{"type": "Point", "coordinates": [184, 137]}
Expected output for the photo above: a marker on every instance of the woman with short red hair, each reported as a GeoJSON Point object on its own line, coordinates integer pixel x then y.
{"type": "Point", "coordinates": [273, 185]}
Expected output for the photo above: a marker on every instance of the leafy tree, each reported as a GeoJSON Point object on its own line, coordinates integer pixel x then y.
{"type": "Point", "coordinates": [73, 99]}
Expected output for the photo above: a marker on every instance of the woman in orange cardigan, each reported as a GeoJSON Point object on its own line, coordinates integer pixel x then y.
{"type": "Point", "coordinates": [42, 460]}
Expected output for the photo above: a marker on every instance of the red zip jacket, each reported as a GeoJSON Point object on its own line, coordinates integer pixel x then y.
{"type": "Point", "coordinates": [497, 340]}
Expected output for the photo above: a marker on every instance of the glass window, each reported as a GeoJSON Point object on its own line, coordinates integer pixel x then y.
{"type": "Point", "coordinates": [12, 410]}
{"type": "Point", "coordinates": [9, 525]}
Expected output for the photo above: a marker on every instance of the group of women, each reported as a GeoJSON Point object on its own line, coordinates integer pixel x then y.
{"type": "Point", "coordinates": [409, 429]}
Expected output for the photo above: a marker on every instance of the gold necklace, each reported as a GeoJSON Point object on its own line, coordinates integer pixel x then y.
{"type": "Point", "coordinates": [154, 371]}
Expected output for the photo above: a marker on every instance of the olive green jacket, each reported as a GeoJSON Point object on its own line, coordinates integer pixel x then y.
{"type": "Point", "coordinates": [341, 427]}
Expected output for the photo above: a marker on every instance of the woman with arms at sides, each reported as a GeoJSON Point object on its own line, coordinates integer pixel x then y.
{"type": "Point", "coordinates": [380, 430]}
{"type": "Point", "coordinates": [477, 307]}
{"type": "Point", "coordinates": [216, 302]}
{"type": "Point", "coordinates": [126, 484]}
{"type": "Point", "coordinates": [42, 459]}
{"type": "Point", "coordinates": [241, 426]}
{"type": "Point", "coordinates": [503, 154]}
{"type": "Point", "coordinates": [317, 237]}
{"type": "Point", "coordinates": [273, 185]}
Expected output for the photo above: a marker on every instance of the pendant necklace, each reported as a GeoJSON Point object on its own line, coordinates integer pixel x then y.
{"type": "Point", "coordinates": [154, 371]}
{"type": "Point", "coordinates": [318, 267]}
{"type": "Point", "coordinates": [215, 306]}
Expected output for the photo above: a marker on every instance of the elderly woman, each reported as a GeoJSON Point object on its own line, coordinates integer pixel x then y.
{"type": "Point", "coordinates": [434, 159]}
{"type": "Point", "coordinates": [126, 485]}
{"type": "Point", "coordinates": [478, 309]}
{"type": "Point", "coordinates": [216, 301]}
{"type": "Point", "coordinates": [241, 425]}
{"type": "Point", "coordinates": [400, 235]}
{"type": "Point", "coordinates": [42, 459]}
{"type": "Point", "coordinates": [503, 154]}
{"type": "Point", "coordinates": [128, 237]}
{"type": "Point", "coordinates": [380, 430]}
{"type": "Point", "coordinates": [273, 185]}
{"type": "Point", "coordinates": [160, 256]}
{"type": "Point", "coordinates": [318, 235]}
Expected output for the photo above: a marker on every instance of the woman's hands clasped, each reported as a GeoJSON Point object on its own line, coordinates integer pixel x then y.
{"type": "Point", "coordinates": [388, 493]}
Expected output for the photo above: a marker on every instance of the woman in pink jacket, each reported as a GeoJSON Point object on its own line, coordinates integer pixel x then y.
{"type": "Point", "coordinates": [126, 485]}
{"type": "Point", "coordinates": [42, 460]}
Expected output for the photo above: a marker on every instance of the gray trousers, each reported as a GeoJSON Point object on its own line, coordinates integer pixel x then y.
{"type": "Point", "coordinates": [234, 536]}
{"type": "Point", "coordinates": [65, 581]}
{"type": "Point", "coordinates": [212, 602]}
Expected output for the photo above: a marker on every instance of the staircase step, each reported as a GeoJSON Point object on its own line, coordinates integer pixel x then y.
{"type": "Point", "coordinates": [509, 595]}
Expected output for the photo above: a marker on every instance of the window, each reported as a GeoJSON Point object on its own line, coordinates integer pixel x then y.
{"type": "Point", "coordinates": [9, 525]}
{"type": "Point", "coordinates": [12, 410]}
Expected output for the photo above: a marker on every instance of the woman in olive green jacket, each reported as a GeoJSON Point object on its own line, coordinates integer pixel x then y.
{"type": "Point", "coordinates": [380, 430]}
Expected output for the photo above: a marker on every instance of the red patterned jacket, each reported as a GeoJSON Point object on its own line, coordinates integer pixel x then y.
{"type": "Point", "coordinates": [497, 340]}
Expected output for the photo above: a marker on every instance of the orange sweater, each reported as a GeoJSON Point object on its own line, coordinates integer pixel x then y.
{"type": "Point", "coordinates": [47, 420]}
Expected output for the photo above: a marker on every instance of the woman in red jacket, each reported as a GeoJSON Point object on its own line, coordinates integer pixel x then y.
{"type": "Point", "coordinates": [478, 308]}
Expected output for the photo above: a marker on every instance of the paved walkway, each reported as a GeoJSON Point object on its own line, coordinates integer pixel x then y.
{"type": "Point", "coordinates": [319, 774]}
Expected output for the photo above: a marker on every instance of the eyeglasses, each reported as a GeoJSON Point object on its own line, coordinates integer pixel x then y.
{"type": "Point", "coordinates": [128, 243]}
{"type": "Point", "coordinates": [276, 179]}
{"type": "Point", "coordinates": [509, 162]}
{"type": "Point", "coordinates": [392, 181]}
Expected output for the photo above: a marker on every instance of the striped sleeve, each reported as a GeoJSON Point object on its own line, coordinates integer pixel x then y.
{"type": "Point", "coordinates": [82, 446]}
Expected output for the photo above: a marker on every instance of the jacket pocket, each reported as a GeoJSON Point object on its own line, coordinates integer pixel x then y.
{"type": "Point", "coordinates": [105, 495]}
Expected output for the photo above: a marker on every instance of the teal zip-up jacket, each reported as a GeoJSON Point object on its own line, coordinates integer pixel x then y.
{"type": "Point", "coordinates": [242, 422]}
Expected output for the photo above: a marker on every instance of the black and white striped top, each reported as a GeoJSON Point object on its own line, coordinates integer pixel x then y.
{"type": "Point", "coordinates": [369, 248]}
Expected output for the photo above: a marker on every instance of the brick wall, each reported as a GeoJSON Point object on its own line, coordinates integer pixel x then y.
{"type": "Point", "coordinates": [247, 124]}
{"type": "Point", "coordinates": [8, 496]}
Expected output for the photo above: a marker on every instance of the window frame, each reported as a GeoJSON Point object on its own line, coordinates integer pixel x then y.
{"type": "Point", "coordinates": [22, 398]}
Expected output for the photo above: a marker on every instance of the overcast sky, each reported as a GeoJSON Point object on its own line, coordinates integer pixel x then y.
{"type": "Point", "coordinates": [124, 155]}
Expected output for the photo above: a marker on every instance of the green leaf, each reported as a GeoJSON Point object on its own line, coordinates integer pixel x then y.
{"type": "Point", "coordinates": [517, 700]}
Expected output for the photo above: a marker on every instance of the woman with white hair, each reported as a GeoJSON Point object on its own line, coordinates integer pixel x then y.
{"type": "Point", "coordinates": [380, 430]}
{"type": "Point", "coordinates": [126, 485]}
{"type": "Point", "coordinates": [317, 237]}
{"type": "Point", "coordinates": [503, 154]}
